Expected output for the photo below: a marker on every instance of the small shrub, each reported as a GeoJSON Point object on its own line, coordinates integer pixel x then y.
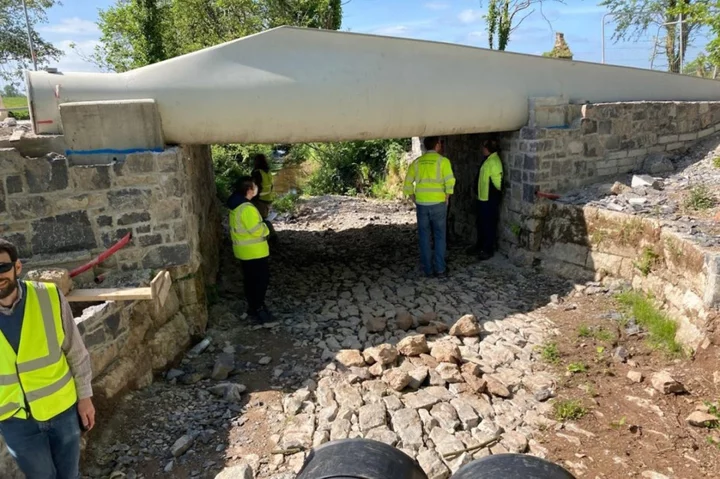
{"type": "Point", "coordinates": [550, 353]}
{"type": "Point", "coordinates": [599, 333]}
{"type": "Point", "coordinates": [716, 162]}
{"type": "Point", "coordinates": [647, 261]}
{"type": "Point", "coordinates": [577, 368]}
{"type": "Point", "coordinates": [585, 331]}
{"type": "Point", "coordinates": [286, 203]}
{"type": "Point", "coordinates": [569, 410]}
{"type": "Point", "coordinates": [660, 327]}
{"type": "Point", "coordinates": [700, 198]}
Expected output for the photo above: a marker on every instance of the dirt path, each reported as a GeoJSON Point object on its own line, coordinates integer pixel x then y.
{"type": "Point", "coordinates": [345, 277]}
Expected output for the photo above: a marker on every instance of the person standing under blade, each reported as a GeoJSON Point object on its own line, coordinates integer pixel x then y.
{"type": "Point", "coordinates": [263, 178]}
{"type": "Point", "coordinates": [249, 235]}
{"type": "Point", "coordinates": [429, 183]}
{"type": "Point", "coordinates": [489, 194]}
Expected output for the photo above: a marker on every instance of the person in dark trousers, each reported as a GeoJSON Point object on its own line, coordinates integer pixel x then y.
{"type": "Point", "coordinates": [489, 194]}
{"type": "Point", "coordinates": [249, 235]}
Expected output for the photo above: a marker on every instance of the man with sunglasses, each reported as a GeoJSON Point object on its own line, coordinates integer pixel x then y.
{"type": "Point", "coordinates": [45, 375]}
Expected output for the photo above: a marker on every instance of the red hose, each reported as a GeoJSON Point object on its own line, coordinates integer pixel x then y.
{"type": "Point", "coordinates": [103, 256]}
{"type": "Point", "coordinates": [550, 196]}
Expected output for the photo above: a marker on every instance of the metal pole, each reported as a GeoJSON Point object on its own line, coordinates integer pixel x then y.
{"type": "Point", "coordinates": [29, 33]}
{"type": "Point", "coordinates": [681, 44]}
{"type": "Point", "coordinates": [602, 40]}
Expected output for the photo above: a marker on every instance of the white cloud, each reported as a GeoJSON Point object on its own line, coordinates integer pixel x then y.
{"type": "Point", "coordinates": [73, 60]}
{"type": "Point", "coordinates": [394, 30]}
{"type": "Point", "coordinates": [436, 6]}
{"type": "Point", "coordinates": [72, 26]}
{"type": "Point", "coordinates": [470, 16]}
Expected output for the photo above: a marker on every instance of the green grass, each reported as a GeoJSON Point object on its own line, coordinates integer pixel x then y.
{"type": "Point", "coordinates": [569, 410]}
{"type": "Point", "coordinates": [660, 327]}
{"type": "Point", "coordinates": [716, 162]}
{"type": "Point", "coordinates": [550, 353]}
{"type": "Point", "coordinates": [700, 198]}
{"type": "Point", "coordinates": [648, 259]}
{"type": "Point", "coordinates": [577, 368]}
{"type": "Point", "coordinates": [286, 203]}
{"type": "Point", "coordinates": [599, 333]}
{"type": "Point", "coordinates": [16, 102]}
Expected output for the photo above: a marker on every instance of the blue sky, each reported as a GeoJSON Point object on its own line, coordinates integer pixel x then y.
{"type": "Point", "coordinates": [455, 21]}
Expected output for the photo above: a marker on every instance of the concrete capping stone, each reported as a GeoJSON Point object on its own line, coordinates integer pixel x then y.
{"type": "Point", "coordinates": [668, 139]}
{"type": "Point", "coordinates": [675, 146]}
{"type": "Point", "coordinates": [688, 137]}
{"type": "Point", "coordinates": [706, 132]}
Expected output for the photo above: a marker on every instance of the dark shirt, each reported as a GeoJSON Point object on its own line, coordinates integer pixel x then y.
{"type": "Point", "coordinates": [235, 200]}
{"type": "Point", "coordinates": [257, 178]}
{"type": "Point", "coordinates": [11, 324]}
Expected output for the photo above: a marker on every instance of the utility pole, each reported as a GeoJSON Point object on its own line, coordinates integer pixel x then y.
{"type": "Point", "coordinates": [29, 33]}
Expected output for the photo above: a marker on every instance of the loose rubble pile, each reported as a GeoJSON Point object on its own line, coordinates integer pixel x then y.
{"type": "Point", "coordinates": [662, 190]}
{"type": "Point", "coordinates": [445, 370]}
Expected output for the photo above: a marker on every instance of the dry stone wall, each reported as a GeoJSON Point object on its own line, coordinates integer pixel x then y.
{"type": "Point", "coordinates": [62, 216]}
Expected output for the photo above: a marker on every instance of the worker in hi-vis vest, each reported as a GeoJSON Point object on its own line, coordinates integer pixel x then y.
{"type": "Point", "coordinates": [489, 194]}
{"type": "Point", "coordinates": [429, 183]}
{"type": "Point", "coordinates": [45, 375]}
{"type": "Point", "coordinates": [249, 234]}
{"type": "Point", "coordinates": [263, 178]}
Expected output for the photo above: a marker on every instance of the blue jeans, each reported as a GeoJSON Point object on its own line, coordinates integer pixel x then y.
{"type": "Point", "coordinates": [432, 219]}
{"type": "Point", "coordinates": [45, 449]}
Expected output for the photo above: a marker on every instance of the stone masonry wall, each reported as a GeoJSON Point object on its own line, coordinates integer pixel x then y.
{"type": "Point", "coordinates": [63, 216]}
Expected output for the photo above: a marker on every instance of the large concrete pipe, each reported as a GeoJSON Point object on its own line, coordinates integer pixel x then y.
{"type": "Point", "coordinates": [299, 85]}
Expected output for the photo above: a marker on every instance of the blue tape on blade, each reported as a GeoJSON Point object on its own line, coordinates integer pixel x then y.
{"type": "Point", "coordinates": [110, 151]}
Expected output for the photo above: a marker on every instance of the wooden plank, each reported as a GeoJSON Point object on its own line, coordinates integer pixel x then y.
{"type": "Point", "coordinates": [110, 294]}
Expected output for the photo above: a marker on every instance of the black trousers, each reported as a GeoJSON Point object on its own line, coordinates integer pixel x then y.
{"type": "Point", "coordinates": [486, 221]}
{"type": "Point", "coordinates": [256, 277]}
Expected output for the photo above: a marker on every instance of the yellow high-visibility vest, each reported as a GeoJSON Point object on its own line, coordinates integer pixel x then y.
{"type": "Point", "coordinates": [491, 170]}
{"type": "Point", "coordinates": [267, 194]}
{"type": "Point", "coordinates": [37, 381]}
{"type": "Point", "coordinates": [248, 233]}
{"type": "Point", "coordinates": [429, 178]}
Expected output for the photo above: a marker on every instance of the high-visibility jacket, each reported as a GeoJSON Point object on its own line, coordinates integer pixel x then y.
{"type": "Point", "coordinates": [248, 233]}
{"type": "Point", "coordinates": [266, 192]}
{"type": "Point", "coordinates": [430, 178]}
{"type": "Point", "coordinates": [491, 170]}
{"type": "Point", "coordinates": [37, 381]}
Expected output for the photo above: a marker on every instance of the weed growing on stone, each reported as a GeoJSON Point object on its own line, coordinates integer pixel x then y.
{"type": "Point", "coordinates": [569, 410]}
{"type": "Point", "coordinates": [700, 198]}
{"type": "Point", "coordinates": [716, 162]}
{"type": "Point", "coordinates": [550, 353]}
{"type": "Point", "coordinates": [647, 261]}
{"type": "Point", "coordinates": [662, 329]}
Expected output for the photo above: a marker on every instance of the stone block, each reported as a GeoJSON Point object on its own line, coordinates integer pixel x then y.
{"type": "Point", "coordinates": [63, 233]}
{"type": "Point", "coordinates": [706, 132]}
{"type": "Point", "coordinates": [3, 206]}
{"type": "Point", "coordinates": [167, 255]}
{"type": "Point", "coordinates": [20, 241]}
{"type": "Point", "coordinates": [675, 146]}
{"type": "Point", "coordinates": [167, 209]}
{"type": "Point", "coordinates": [111, 237]}
{"type": "Point", "coordinates": [169, 342]}
{"type": "Point", "coordinates": [167, 161]}
{"type": "Point", "coordinates": [90, 177]}
{"type": "Point", "coordinates": [605, 127]}
{"type": "Point", "coordinates": [118, 377]}
{"type": "Point", "coordinates": [46, 174]}
{"type": "Point", "coordinates": [14, 184]}
{"type": "Point", "coordinates": [668, 139]}
{"type": "Point", "coordinates": [132, 218]}
{"type": "Point", "coordinates": [104, 220]}
{"type": "Point", "coordinates": [150, 240]}
{"type": "Point", "coordinates": [138, 163]}
{"type": "Point", "coordinates": [688, 137]}
{"type": "Point", "coordinates": [609, 263]}
{"type": "Point", "coordinates": [58, 276]}
{"type": "Point", "coordinates": [126, 125]}
{"type": "Point", "coordinates": [568, 252]}
{"type": "Point", "coordinates": [129, 199]}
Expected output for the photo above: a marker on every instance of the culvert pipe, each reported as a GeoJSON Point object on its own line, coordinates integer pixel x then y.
{"type": "Point", "coordinates": [289, 85]}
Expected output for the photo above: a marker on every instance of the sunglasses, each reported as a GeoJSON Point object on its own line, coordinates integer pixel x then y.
{"type": "Point", "coordinates": [5, 267]}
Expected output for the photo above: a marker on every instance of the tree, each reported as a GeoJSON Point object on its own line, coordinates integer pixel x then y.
{"type": "Point", "coordinates": [14, 49]}
{"type": "Point", "coordinates": [635, 17]}
{"type": "Point", "coordinates": [10, 91]}
{"type": "Point", "coordinates": [505, 16]}
{"type": "Point", "coordinates": [135, 33]}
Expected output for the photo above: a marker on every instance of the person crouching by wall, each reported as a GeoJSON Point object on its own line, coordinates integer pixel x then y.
{"type": "Point", "coordinates": [489, 194]}
{"type": "Point", "coordinates": [249, 234]}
